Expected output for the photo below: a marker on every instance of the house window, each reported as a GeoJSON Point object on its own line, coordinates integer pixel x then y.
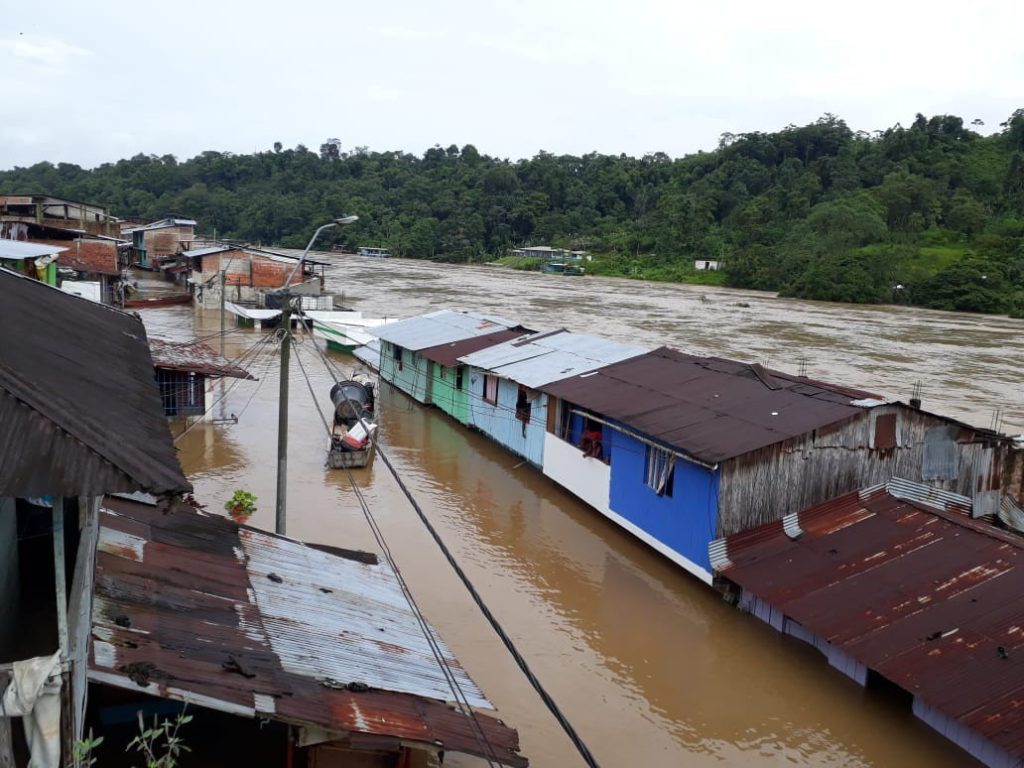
{"type": "Point", "coordinates": [523, 407]}
{"type": "Point", "coordinates": [591, 440]}
{"type": "Point", "coordinates": [491, 389]}
{"type": "Point", "coordinates": [660, 470]}
{"type": "Point", "coordinates": [458, 378]}
{"type": "Point", "coordinates": [398, 356]}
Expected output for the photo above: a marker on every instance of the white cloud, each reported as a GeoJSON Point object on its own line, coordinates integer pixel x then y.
{"type": "Point", "coordinates": [42, 53]}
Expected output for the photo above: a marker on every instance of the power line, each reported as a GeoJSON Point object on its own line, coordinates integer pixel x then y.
{"type": "Point", "coordinates": [486, 748]}
{"type": "Point", "coordinates": [563, 721]}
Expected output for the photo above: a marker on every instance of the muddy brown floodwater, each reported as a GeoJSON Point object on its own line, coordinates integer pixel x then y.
{"type": "Point", "coordinates": [652, 668]}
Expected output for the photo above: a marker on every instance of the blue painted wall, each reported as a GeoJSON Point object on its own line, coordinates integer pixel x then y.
{"type": "Point", "coordinates": [499, 421]}
{"type": "Point", "coordinates": [686, 521]}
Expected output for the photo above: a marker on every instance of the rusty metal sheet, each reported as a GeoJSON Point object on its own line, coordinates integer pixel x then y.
{"type": "Point", "coordinates": [193, 357]}
{"type": "Point", "coordinates": [262, 626]}
{"type": "Point", "coordinates": [710, 408]}
{"type": "Point", "coordinates": [924, 595]}
{"type": "Point", "coordinates": [78, 400]}
{"type": "Point", "coordinates": [448, 354]}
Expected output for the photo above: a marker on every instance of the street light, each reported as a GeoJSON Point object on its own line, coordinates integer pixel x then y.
{"type": "Point", "coordinates": [282, 404]}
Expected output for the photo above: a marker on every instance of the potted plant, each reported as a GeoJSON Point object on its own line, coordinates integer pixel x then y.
{"type": "Point", "coordinates": [241, 506]}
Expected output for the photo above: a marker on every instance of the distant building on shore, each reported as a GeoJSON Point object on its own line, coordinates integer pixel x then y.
{"type": "Point", "coordinates": [547, 252]}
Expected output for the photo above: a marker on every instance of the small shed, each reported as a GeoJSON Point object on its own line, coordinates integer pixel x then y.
{"type": "Point", "coordinates": [185, 373]}
{"type": "Point", "coordinates": [710, 265]}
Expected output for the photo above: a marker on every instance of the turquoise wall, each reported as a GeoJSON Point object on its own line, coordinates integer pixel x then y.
{"type": "Point", "coordinates": [411, 374]}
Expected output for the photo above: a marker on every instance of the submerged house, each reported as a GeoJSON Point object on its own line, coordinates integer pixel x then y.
{"type": "Point", "coordinates": [154, 243]}
{"type": "Point", "coordinates": [81, 417]}
{"type": "Point", "coordinates": [249, 274]}
{"type": "Point", "coordinates": [696, 448]}
{"type": "Point", "coordinates": [899, 586]}
{"type": "Point", "coordinates": [505, 382]}
{"type": "Point", "coordinates": [451, 391]}
{"type": "Point", "coordinates": [287, 654]}
{"type": "Point", "coordinates": [186, 372]}
{"type": "Point", "coordinates": [20, 211]}
{"type": "Point", "coordinates": [401, 360]}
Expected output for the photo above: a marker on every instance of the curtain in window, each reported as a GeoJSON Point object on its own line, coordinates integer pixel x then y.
{"type": "Point", "coordinates": [660, 464]}
{"type": "Point", "coordinates": [491, 388]}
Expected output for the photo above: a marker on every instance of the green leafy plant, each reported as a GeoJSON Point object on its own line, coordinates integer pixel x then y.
{"type": "Point", "coordinates": [241, 505]}
{"type": "Point", "coordinates": [82, 751]}
{"type": "Point", "coordinates": [160, 744]}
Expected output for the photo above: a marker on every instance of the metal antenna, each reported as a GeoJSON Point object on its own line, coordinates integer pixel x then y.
{"type": "Point", "coordinates": [802, 362]}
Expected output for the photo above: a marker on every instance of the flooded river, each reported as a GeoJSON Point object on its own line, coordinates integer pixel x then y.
{"type": "Point", "coordinates": [652, 668]}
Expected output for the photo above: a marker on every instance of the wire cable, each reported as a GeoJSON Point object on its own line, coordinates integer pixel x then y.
{"type": "Point", "coordinates": [487, 749]}
{"type": "Point", "coordinates": [521, 662]}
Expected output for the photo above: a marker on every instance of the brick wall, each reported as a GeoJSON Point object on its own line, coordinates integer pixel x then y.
{"type": "Point", "coordinates": [86, 255]}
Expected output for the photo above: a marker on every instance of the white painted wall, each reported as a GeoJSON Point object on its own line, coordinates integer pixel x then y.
{"type": "Point", "coordinates": [588, 478]}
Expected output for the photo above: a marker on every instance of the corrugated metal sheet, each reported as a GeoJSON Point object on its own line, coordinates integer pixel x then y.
{"type": "Point", "coordinates": [924, 595]}
{"type": "Point", "coordinates": [448, 354]}
{"type": "Point", "coordinates": [193, 357]}
{"type": "Point", "coordinates": [710, 408]}
{"type": "Point", "coordinates": [258, 624]}
{"type": "Point", "coordinates": [441, 327]}
{"type": "Point", "coordinates": [78, 398]}
{"type": "Point", "coordinates": [369, 354]}
{"type": "Point", "coordinates": [16, 250]}
{"type": "Point", "coordinates": [209, 251]}
{"type": "Point", "coordinates": [546, 357]}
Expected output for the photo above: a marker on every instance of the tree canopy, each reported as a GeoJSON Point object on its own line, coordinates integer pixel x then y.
{"type": "Point", "coordinates": [931, 214]}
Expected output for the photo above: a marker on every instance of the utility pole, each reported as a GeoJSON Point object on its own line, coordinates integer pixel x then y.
{"type": "Point", "coordinates": [282, 404]}
{"type": "Point", "coordinates": [282, 411]}
{"type": "Point", "coordinates": [223, 283]}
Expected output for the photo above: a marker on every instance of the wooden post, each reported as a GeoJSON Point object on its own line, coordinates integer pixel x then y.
{"type": "Point", "coordinates": [59, 575]}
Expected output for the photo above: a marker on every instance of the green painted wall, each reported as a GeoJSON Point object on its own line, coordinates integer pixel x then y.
{"type": "Point", "coordinates": [453, 401]}
{"type": "Point", "coordinates": [50, 276]}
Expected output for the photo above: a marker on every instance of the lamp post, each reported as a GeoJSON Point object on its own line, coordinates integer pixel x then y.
{"type": "Point", "coordinates": [282, 404]}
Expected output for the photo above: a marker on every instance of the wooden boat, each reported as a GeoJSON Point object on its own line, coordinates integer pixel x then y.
{"type": "Point", "coordinates": [354, 423]}
{"type": "Point", "coordinates": [142, 302]}
{"type": "Point", "coordinates": [561, 268]}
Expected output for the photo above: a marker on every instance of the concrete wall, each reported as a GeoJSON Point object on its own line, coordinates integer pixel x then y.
{"type": "Point", "coordinates": [498, 421]}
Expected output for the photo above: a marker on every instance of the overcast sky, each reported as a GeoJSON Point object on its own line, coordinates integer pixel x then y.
{"type": "Point", "coordinates": [94, 82]}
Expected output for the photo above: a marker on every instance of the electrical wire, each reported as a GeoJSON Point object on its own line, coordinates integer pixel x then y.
{"type": "Point", "coordinates": [487, 749]}
{"type": "Point", "coordinates": [521, 662]}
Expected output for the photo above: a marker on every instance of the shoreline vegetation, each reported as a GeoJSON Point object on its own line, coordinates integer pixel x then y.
{"type": "Point", "coordinates": [931, 214]}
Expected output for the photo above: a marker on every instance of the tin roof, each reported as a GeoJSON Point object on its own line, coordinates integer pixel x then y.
{"type": "Point", "coordinates": [448, 354]}
{"type": "Point", "coordinates": [209, 251]}
{"type": "Point", "coordinates": [162, 224]}
{"type": "Point", "coordinates": [263, 626]}
{"type": "Point", "coordinates": [708, 407]}
{"type": "Point", "coordinates": [546, 357]}
{"type": "Point", "coordinates": [441, 327]}
{"type": "Point", "coordinates": [17, 250]}
{"type": "Point", "coordinates": [79, 403]}
{"type": "Point", "coordinates": [193, 357]}
{"type": "Point", "coordinates": [924, 595]}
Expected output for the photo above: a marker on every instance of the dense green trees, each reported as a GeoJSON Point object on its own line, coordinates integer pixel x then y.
{"type": "Point", "coordinates": [931, 214]}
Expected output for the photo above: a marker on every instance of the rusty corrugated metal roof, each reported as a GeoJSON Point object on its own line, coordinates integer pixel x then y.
{"type": "Point", "coordinates": [448, 354]}
{"type": "Point", "coordinates": [260, 625]}
{"type": "Point", "coordinates": [78, 399]}
{"type": "Point", "coordinates": [193, 357]}
{"type": "Point", "coordinates": [708, 407]}
{"type": "Point", "coordinates": [927, 597]}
